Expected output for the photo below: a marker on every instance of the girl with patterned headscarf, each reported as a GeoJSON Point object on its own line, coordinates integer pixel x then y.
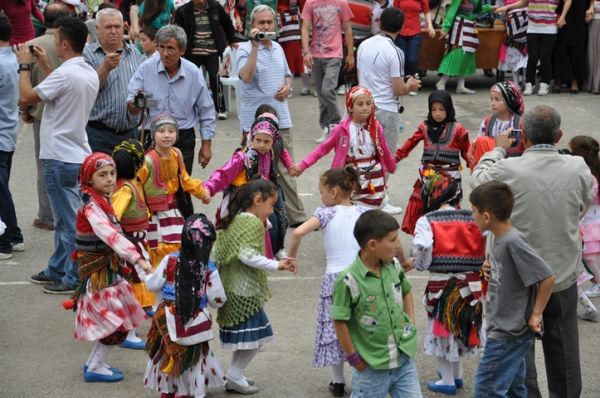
{"type": "Point", "coordinates": [263, 151]}
{"type": "Point", "coordinates": [105, 304]}
{"type": "Point", "coordinates": [445, 141]}
{"type": "Point", "coordinates": [508, 106]}
{"type": "Point", "coordinates": [450, 246]}
{"type": "Point", "coordinates": [181, 360]}
{"type": "Point", "coordinates": [359, 141]}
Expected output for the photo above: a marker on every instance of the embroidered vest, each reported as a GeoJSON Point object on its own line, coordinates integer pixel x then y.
{"type": "Point", "coordinates": [135, 217]}
{"type": "Point", "coordinates": [86, 239]}
{"type": "Point", "coordinates": [441, 151]}
{"type": "Point", "coordinates": [518, 148]}
{"type": "Point", "coordinates": [155, 190]}
{"type": "Point", "coordinates": [458, 245]}
{"type": "Point", "coordinates": [251, 165]}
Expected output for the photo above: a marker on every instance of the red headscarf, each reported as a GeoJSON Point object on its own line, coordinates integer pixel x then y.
{"type": "Point", "coordinates": [93, 162]}
{"type": "Point", "coordinates": [371, 123]}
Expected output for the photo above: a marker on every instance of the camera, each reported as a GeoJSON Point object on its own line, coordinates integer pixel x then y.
{"type": "Point", "coordinates": [515, 134]}
{"type": "Point", "coordinates": [32, 49]}
{"type": "Point", "coordinates": [140, 100]}
{"type": "Point", "coordinates": [119, 51]}
{"type": "Point", "coordinates": [265, 36]}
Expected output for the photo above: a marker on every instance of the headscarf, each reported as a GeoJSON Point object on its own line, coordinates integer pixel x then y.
{"type": "Point", "coordinates": [92, 163]}
{"type": "Point", "coordinates": [371, 123]}
{"type": "Point", "coordinates": [197, 238]}
{"type": "Point", "coordinates": [129, 154]}
{"type": "Point", "coordinates": [161, 120]}
{"type": "Point", "coordinates": [511, 93]}
{"type": "Point", "coordinates": [438, 189]}
{"type": "Point", "coordinates": [435, 129]}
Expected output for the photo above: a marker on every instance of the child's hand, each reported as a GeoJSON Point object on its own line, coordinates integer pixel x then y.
{"type": "Point", "coordinates": [206, 199]}
{"type": "Point", "coordinates": [443, 35]}
{"type": "Point", "coordinates": [485, 268]}
{"type": "Point", "coordinates": [408, 264]}
{"type": "Point", "coordinates": [286, 264]}
{"type": "Point", "coordinates": [295, 171]}
{"type": "Point", "coordinates": [145, 266]}
{"type": "Point", "coordinates": [500, 10]}
{"type": "Point", "coordinates": [561, 22]}
{"type": "Point", "coordinates": [361, 366]}
{"type": "Point", "coordinates": [535, 322]}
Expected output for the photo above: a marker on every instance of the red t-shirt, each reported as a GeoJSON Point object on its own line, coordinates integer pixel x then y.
{"type": "Point", "coordinates": [19, 15]}
{"type": "Point", "coordinates": [411, 9]}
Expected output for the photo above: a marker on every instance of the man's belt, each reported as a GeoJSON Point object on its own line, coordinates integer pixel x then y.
{"type": "Point", "coordinates": [101, 126]}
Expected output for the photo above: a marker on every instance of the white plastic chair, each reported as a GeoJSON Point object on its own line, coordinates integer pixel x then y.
{"type": "Point", "coordinates": [231, 82]}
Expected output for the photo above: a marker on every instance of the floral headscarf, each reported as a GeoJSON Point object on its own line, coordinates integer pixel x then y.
{"type": "Point", "coordinates": [92, 163]}
{"type": "Point", "coordinates": [511, 93]}
{"type": "Point", "coordinates": [371, 123]}
{"type": "Point", "coordinates": [438, 189]}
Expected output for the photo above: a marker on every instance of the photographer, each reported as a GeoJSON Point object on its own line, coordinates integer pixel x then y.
{"type": "Point", "coordinates": [266, 79]}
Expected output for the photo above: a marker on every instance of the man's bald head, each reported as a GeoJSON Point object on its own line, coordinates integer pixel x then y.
{"type": "Point", "coordinates": [53, 12]}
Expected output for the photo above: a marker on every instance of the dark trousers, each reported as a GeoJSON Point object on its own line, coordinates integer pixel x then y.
{"type": "Point", "coordinates": [102, 140]}
{"type": "Point", "coordinates": [570, 62]}
{"type": "Point", "coordinates": [7, 207]}
{"type": "Point", "coordinates": [410, 46]}
{"type": "Point", "coordinates": [211, 64]}
{"type": "Point", "coordinates": [540, 47]}
{"type": "Point", "coordinates": [561, 348]}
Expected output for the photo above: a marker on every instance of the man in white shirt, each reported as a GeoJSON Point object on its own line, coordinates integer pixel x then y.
{"type": "Point", "coordinates": [69, 93]}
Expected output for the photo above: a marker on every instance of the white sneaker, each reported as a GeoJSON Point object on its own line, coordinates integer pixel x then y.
{"type": "Point", "coordinates": [315, 94]}
{"type": "Point", "coordinates": [341, 90]}
{"type": "Point", "coordinates": [592, 316]}
{"type": "Point", "coordinates": [18, 247]}
{"type": "Point", "coordinates": [528, 89]}
{"type": "Point", "coordinates": [440, 85]}
{"type": "Point", "coordinates": [413, 93]}
{"type": "Point", "coordinates": [304, 91]}
{"type": "Point", "coordinates": [388, 208]}
{"type": "Point", "coordinates": [222, 115]}
{"type": "Point", "coordinates": [464, 90]}
{"type": "Point", "coordinates": [593, 291]}
{"type": "Point", "coordinates": [324, 135]}
{"type": "Point", "coordinates": [543, 90]}
{"type": "Point", "coordinates": [5, 256]}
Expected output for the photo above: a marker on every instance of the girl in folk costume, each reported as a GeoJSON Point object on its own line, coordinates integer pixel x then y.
{"type": "Point", "coordinates": [336, 218]}
{"type": "Point", "coordinates": [450, 246]}
{"type": "Point", "coordinates": [513, 53]}
{"type": "Point", "coordinates": [508, 107]}
{"type": "Point", "coordinates": [461, 42]}
{"type": "Point", "coordinates": [164, 179]}
{"type": "Point", "coordinates": [261, 155]}
{"type": "Point", "coordinates": [106, 307]}
{"type": "Point", "coordinates": [358, 141]}
{"type": "Point", "coordinates": [288, 14]}
{"type": "Point", "coordinates": [445, 140]}
{"type": "Point", "coordinates": [181, 360]}
{"type": "Point", "coordinates": [240, 255]}
{"type": "Point", "coordinates": [130, 208]}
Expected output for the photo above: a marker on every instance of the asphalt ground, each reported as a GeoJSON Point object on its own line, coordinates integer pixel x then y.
{"type": "Point", "coordinates": [40, 358]}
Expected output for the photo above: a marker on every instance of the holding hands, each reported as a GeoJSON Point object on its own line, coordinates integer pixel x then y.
{"type": "Point", "coordinates": [295, 171]}
{"type": "Point", "coordinates": [289, 264]}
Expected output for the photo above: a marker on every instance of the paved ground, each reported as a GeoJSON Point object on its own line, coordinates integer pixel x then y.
{"type": "Point", "coordinates": [40, 358]}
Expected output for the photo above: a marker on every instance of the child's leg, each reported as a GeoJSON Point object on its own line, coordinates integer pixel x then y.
{"type": "Point", "coordinates": [337, 374]}
{"type": "Point", "coordinates": [592, 265]}
{"type": "Point", "coordinates": [305, 81]}
{"type": "Point", "coordinates": [241, 362]}
{"type": "Point", "coordinates": [457, 370]}
{"type": "Point", "coordinates": [97, 363]}
{"type": "Point", "coordinates": [441, 84]}
{"type": "Point", "coordinates": [585, 301]}
{"type": "Point", "coordinates": [131, 336]}
{"type": "Point", "coordinates": [446, 371]}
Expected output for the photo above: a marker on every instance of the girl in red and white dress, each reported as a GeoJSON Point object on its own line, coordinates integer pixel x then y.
{"type": "Point", "coordinates": [106, 307]}
{"type": "Point", "coordinates": [445, 141]}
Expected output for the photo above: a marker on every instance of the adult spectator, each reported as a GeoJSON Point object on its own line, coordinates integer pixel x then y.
{"type": "Point", "coordinates": [326, 19]}
{"type": "Point", "coordinates": [91, 23]}
{"type": "Point", "coordinates": [552, 192]}
{"type": "Point", "coordinates": [156, 13]}
{"type": "Point", "coordinates": [69, 93]}
{"type": "Point", "coordinates": [266, 79]}
{"type": "Point", "coordinates": [12, 238]}
{"type": "Point", "coordinates": [33, 114]}
{"type": "Point", "coordinates": [19, 13]}
{"type": "Point", "coordinates": [209, 31]}
{"type": "Point", "coordinates": [115, 62]}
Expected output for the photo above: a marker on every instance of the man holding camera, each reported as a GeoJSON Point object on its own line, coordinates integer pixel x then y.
{"type": "Point", "coordinates": [266, 79]}
{"type": "Point", "coordinates": [115, 62]}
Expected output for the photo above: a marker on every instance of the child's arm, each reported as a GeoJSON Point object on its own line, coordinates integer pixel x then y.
{"type": "Point", "coordinates": [307, 227]}
{"type": "Point", "coordinates": [462, 138]}
{"type": "Point", "coordinates": [544, 290]}
{"type": "Point", "coordinates": [286, 159]}
{"type": "Point", "coordinates": [320, 151]}
{"type": "Point", "coordinates": [409, 144]}
{"type": "Point", "coordinates": [195, 187]}
{"type": "Point", "coordinates": [563, 15]}
{"type": "Point", "coordinates": [343, 336]}
{"type": "Point", "coordinates": [221, 178]}
{"type": "Point", "coordinates": [513, 6]}
{"type": "Point", "coordinates": [156, 279]}
{"type": "Point", "coordinates": [422, 244]}
{"type": "Point", "coordinates": [120, 200]}
{"type": "Point", "coordinates": [215, 292]}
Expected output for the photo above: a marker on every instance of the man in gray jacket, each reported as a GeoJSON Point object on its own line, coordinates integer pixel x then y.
{"type": "Point", "coordinates": [552, 192]}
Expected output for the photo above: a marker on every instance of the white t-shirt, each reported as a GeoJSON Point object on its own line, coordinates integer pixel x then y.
{"type": "Point", "coordinates": [378, 62]}
{"type": "Point", "coordinates": [69, 93]}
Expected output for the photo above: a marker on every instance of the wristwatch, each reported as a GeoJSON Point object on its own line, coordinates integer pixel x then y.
{"type": "Point", "coordinates": [23, 67]}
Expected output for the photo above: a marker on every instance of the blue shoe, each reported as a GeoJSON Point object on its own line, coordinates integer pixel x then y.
{"type": "Point", "coordinates": [114, 370]}
{"type": "Point", "coordinates": [459, 383]}
{"type": "Point", "coordinates": [150, 313]}
{"type": "Point", "coordinates": [91, 377]}
{"type": "Point", "coordinates": [134, 346]}
{"type": "Point", "coordinates": [442, 388]}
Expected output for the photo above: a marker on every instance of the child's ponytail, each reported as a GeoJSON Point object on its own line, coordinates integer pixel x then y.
{"type": "Point", "coordinates": [588, 148]}
{"type": "Point", "coordinates": [346, 179]}
{"type": "Point", "coordinates": [243, 198]}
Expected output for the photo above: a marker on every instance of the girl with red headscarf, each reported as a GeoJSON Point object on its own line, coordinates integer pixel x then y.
{"type": "Point", "coordinates": [106, 307]}
{"type": "Point", "coordinates": [358, 141]}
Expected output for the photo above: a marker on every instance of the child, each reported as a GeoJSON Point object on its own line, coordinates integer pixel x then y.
{"type": "Point", "coordinates": [260, 156]}
{"type": "Point", "coordinates": [373, 313]}
{"type": "Point", "coordinates": [183, 363]}
{"type": "Point", "coordinates": [588, 148]}
{"type": "Point", "coordinates": [147, 43]}
{"type": "Point", "coordinates": [461, 42]}
{"type": "Point", "coordinates": [130, 208]}
{"type": "Point", "coordinates": [449, 245]}
{"type": "Point", "coordinates": [105, 304]}
{"type": "Point", "coordinates": [336, 218]}
{"type": "Point", "coordinates": [445, 140]}
{"type": "Point", "coordinates": [508, 108]}
{"type": "Point", "coordinates": [358, 141]}
{"type": "Point", "coordinates": [513, 53]}
{"type": "Point", "coordinates": [520, 284]}
{"type": "Point", "coordinates": [164, 178]}
{"type": "Point", "coordinates": [240, 254]}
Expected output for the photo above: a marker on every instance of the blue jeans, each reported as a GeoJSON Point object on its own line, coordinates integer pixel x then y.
{"type": "Point", "coordinates": [410, 46]}
{"type": "Point", "coordinates": [62, 184]}
{"type": "Point", "coordinates": [400, 382]}
{"type": "Point", "coordinates": [501, 371]}
{"type": "Point", "coordinates": [8, 215]}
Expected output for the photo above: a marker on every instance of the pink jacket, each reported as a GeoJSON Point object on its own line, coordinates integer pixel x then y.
{"type": "Point", "coordinates": [340, 140]}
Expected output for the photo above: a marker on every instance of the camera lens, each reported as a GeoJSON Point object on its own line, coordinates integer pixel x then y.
{"type": "Point", "coordinates": [260, 36]}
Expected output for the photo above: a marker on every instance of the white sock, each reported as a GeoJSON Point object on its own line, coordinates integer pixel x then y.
{"type": "Point", "coordinates": [445, 368]}
{"type": "Point", "coordinates": [461, 83]}
{"type": "Point", "coordinates": [97, 363]}
{"type": "Point", "coordinates": [337, 373]}
{"type": "Point", "coordinates": [444, 79]}
{"type": "Point", "coordinates": [457, 369]}
{"type": "Point", "coordinates": [305, 80]}
{"type": "Point", "coordinates": [92, 353]}
{"type": "Point", "coordinates": [241, 362]}
{"type": "Point", "coordinates": [131, 336]}
{"type": "Point", "coordinates": [516, 77]}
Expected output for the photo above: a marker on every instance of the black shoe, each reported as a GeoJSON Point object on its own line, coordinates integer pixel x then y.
{"type": "Point", "coordinates": [41, 279]}
{"type": "Point", "coordinates": [59, 288]}
{"type": "Point", "coordinates": [336, 389]}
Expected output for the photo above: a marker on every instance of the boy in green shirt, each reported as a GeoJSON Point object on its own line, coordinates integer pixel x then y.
{"type": "Point", "coordinates": [373, 312]}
